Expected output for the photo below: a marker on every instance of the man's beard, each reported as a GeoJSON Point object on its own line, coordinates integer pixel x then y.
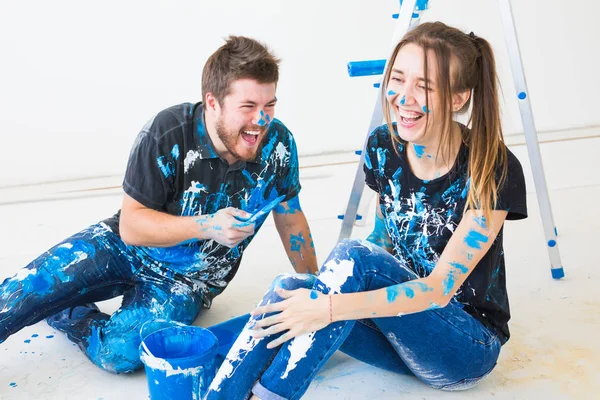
{"type": "Point", "coordinates": [230, 139]}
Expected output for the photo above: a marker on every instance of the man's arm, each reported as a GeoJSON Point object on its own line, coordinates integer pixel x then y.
{"type": "Point", "coordinates": [142, 226]}
{"type": "Point", "coordinates": [295, 236]}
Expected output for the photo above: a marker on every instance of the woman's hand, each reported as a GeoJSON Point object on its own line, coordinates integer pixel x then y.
{"type": "Point", "coordinates": [302, 311]}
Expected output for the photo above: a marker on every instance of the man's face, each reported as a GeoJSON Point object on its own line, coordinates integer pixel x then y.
{"type": "Point", "coordinates": [243, 118]}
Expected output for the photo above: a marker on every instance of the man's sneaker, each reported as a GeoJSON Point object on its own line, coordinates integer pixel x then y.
{"type": "Point", "coordinates": [65, 319]}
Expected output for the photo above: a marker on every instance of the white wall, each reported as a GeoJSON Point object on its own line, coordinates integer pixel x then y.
{"type": "Point", "coordinates": [78, 79]}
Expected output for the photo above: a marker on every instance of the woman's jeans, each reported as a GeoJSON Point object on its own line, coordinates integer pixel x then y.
{"type": "Point", "coordinates": [95, 265]}
{"type": "Point", "coordinates": [446, 348]}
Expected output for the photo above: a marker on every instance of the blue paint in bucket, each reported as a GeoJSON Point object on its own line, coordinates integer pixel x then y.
{"type": "Point", "coordinates": [179, 362]}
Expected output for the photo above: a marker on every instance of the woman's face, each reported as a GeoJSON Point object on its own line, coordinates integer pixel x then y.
{"type": "Point", "coordinates": [406, 92]}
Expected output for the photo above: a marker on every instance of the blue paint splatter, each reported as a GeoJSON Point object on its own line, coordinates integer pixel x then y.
{"type": "Point", "coordinates": [13, 384]}
{"type": "Point", "coordinates": [425, 110]}
{"type": "Point", "coordinates": [297, 242]}
{"type": "Point", "coordinates": [392, 293]}
{"type": "Point", "coordinates": [419, 150]}
{"type": "Point", "coordinates": [403, 100]}
{"type": "Point", "coordinates": [448, 283]}
{"type": "Point", "coordinates": [35, 335]}
{"type": "Point", "coordinates": [480, 221]}
{"type": "Point", "coordinates": [460, 267]}
{"type": "Point", "coordinates": [474, 238]}
{"type": "Point", "coordinates": [27, 341]}
{"type": "Point", "coordinates": [469, 256]}
{"type": "Point", "coordinates": [293, 205]}
{"type": "Point", "coordinates": [166, 167]}
{"type": "Point", "coordinates": [49, 336]}
{"type": "Point", "coordinates": [314, 294]}
{"type": "Point", "coordinates": [391, 93]}
{"type": "Point", "coordinates": [175, 152]}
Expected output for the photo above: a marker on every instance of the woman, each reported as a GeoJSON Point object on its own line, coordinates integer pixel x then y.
{"type": "Point", "coordinates": [426, 292]}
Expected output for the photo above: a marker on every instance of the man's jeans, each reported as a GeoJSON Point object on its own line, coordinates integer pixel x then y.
{"type": "Point", "coordinates": [95, 265]}
{"type": "Point", "coordinates": [446, 348]}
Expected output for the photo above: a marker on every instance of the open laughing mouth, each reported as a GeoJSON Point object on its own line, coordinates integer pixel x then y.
{"type": "Point", "coordinates": [251, 136]}
{"type": "Point", "coordinates": [409, 118]}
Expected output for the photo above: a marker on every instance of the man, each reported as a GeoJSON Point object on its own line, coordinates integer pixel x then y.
{"type": "Point", "coordinates": [200, 182]}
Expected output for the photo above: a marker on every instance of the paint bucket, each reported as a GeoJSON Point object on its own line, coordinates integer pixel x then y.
{"type": "Point", "coordinates": [179, 362]}
{"type": "Point", "coordinates": [227, 332]}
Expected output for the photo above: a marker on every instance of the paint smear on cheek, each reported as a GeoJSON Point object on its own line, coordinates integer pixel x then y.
{"type": "Point", "coordinates": [298, 349]}
{"type": "Point", "coordinates": [474, 239]}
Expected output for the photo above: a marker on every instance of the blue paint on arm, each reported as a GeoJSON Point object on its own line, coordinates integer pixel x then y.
{"type": "Point", "coordinates": [314, 294]}
{"type": "Point", "coordinates": [474, 239]}
{"type": "Point", "coordinates": [293, 205]}
{"type": "Point", "coordinates": [297, 242]}
{"type": "Point", "coordinates": [459, 267]}
{"type": "Point", "coordinates": [448, 283]}
{"type": "Point", "coordinates": [392, 293]}
{"type": "Point", "coordinates": [480, 221]}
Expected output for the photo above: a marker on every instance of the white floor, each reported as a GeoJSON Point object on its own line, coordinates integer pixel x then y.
{"type": "Point", "coordinates": [554, 351]}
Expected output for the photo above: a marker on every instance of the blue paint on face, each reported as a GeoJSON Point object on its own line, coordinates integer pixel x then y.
{"type": "Point", "coordinates": [314, 294]}
{"type": "Point", "coordinates": [425, 110]}
{"type": "Point", "coordinates": [403, 100]}
{"type": "Point", "coordinates": [480, 221]}
{"type": "Point", "coordinates": [419, 150]}
{"type": "Point", "coordinates": [391, 93]}
{"type": "Point", "coordinates": [175, 152]}
{"type": "Point", "coordinates": [460, 267]}
{"type": "Point", "coordinates": [474, 239]}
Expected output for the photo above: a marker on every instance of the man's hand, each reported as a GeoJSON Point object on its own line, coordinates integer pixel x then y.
{"type": "Point", "coordinates": [223, 227]}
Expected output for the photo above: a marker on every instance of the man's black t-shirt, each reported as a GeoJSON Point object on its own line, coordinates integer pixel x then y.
{"type": "Point", "coordinates": [174, 168]}
{"type": "Point", "coordinates": [420, 217]}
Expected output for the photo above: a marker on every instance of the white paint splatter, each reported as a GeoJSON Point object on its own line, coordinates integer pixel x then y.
{"type": "Point", "coordinates": [163, 365]}
{"type": "Point", "coordinates": [190, 159]}
{"type": "Point", "coordinates": [336, 273]}
{"type": "Point", "coordinates": [244, 343]}
{"type": "Point", "coordinates": [24, 273]}
{"type": "Point", "coordinates": [298, 349]}
{"type": "Point", "coordinates": [281, 152]}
